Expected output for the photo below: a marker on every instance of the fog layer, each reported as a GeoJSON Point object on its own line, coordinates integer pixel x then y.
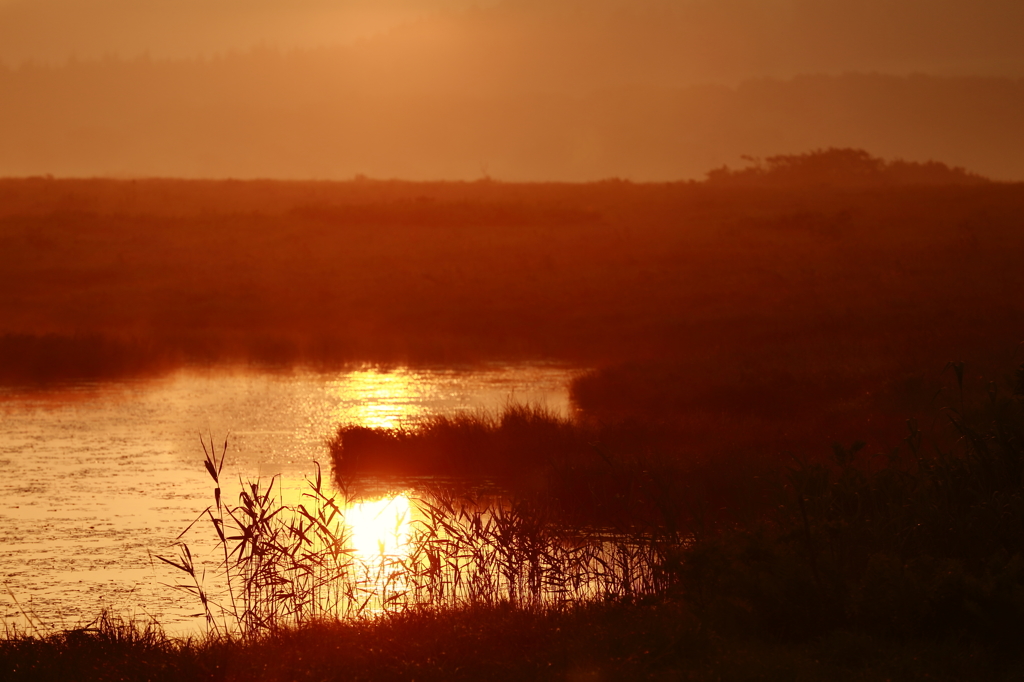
{"type": "Point", "coordinates": [518, 90]}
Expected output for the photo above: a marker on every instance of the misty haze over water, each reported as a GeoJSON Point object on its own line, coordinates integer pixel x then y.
{"type": "Point", "coordinates": [515, 90]}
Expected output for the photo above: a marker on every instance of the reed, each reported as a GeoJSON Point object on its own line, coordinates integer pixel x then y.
{"type": "Point", "coordinates": [518, 438]}
{"type": "Point", "coordinates": [621, 475]}
{"type": "Point", "coordinates": [286, 565]}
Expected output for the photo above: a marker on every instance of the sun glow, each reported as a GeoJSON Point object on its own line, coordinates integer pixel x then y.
{"type": "Point", "coordinates": [380, 528]}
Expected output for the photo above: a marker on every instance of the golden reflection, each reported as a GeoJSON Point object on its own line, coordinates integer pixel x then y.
{"type": "Point", "coordinates": [378, 399]}
{"type": "Point", "coordinates": [380, 529]}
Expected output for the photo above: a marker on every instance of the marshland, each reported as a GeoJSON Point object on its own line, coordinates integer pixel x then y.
{"type": "Point", "coordinates": [769, 425]}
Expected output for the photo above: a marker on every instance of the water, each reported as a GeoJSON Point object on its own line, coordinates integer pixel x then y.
{"type": "Point", "coordinates": [97, 479]}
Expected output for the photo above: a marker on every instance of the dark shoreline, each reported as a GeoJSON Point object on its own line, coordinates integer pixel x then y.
{"type": "Point", "coordinates": [613, 642]}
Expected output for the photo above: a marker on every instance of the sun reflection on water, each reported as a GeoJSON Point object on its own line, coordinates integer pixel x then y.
{"type": "Point", "coordinates": [380, 538]}
{"type": "Point", "coordinates": [380, 528]}
{"type": "Point", "coordinates": [382, 399]}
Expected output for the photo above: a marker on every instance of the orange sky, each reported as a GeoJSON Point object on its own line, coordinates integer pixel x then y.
{"type": "Point", "coordinates": [517, 89]}
{"type": "Point", "coordinates": [745, 37]}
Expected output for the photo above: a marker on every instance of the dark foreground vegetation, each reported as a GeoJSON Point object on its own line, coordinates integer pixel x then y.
{"type": "Point", "coordinates": [901, 565]}
{"type": "Point", "coordinates": [598, 642]}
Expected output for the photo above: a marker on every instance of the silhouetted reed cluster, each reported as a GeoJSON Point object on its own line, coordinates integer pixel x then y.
{"type": "Point", "coordinates": [284, 565]}
{"type": "Point", "coordinates": [520, 437]}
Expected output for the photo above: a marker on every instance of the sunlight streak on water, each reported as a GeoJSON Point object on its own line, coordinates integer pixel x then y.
{"type": "Point", "coordinates": [387, 399]}
{"type": "Point", "coordinates": [381, 537]}
{"type": "Point", "coordinates": [380, 528]}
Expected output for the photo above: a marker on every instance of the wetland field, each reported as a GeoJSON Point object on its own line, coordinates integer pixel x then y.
{"type": "Point", "coordinates": [769, 425]}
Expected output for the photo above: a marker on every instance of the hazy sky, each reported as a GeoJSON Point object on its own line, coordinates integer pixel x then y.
{"type": "Point", "coordinates": [742, 37]}
{"type": "Point", "coordinates": [53, 30]}
{"type": "Point", "coordinates": [520, 89]}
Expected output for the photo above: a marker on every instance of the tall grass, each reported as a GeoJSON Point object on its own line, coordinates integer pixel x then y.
{"type": "Point", "coordinates": [622, 475]}
{"type": "Point", "coordinates": [281, 565]}
{"type": "Point", "coordinates": [520, 437]}
{"type": "Point", "coordinates": [924, 540]}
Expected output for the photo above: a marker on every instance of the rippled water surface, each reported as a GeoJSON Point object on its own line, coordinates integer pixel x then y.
{"type": "Point", "coordinates": [96, 479]}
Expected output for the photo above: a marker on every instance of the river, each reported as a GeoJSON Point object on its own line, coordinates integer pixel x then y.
{"type": "Point", "coordinates": [97, 479]}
